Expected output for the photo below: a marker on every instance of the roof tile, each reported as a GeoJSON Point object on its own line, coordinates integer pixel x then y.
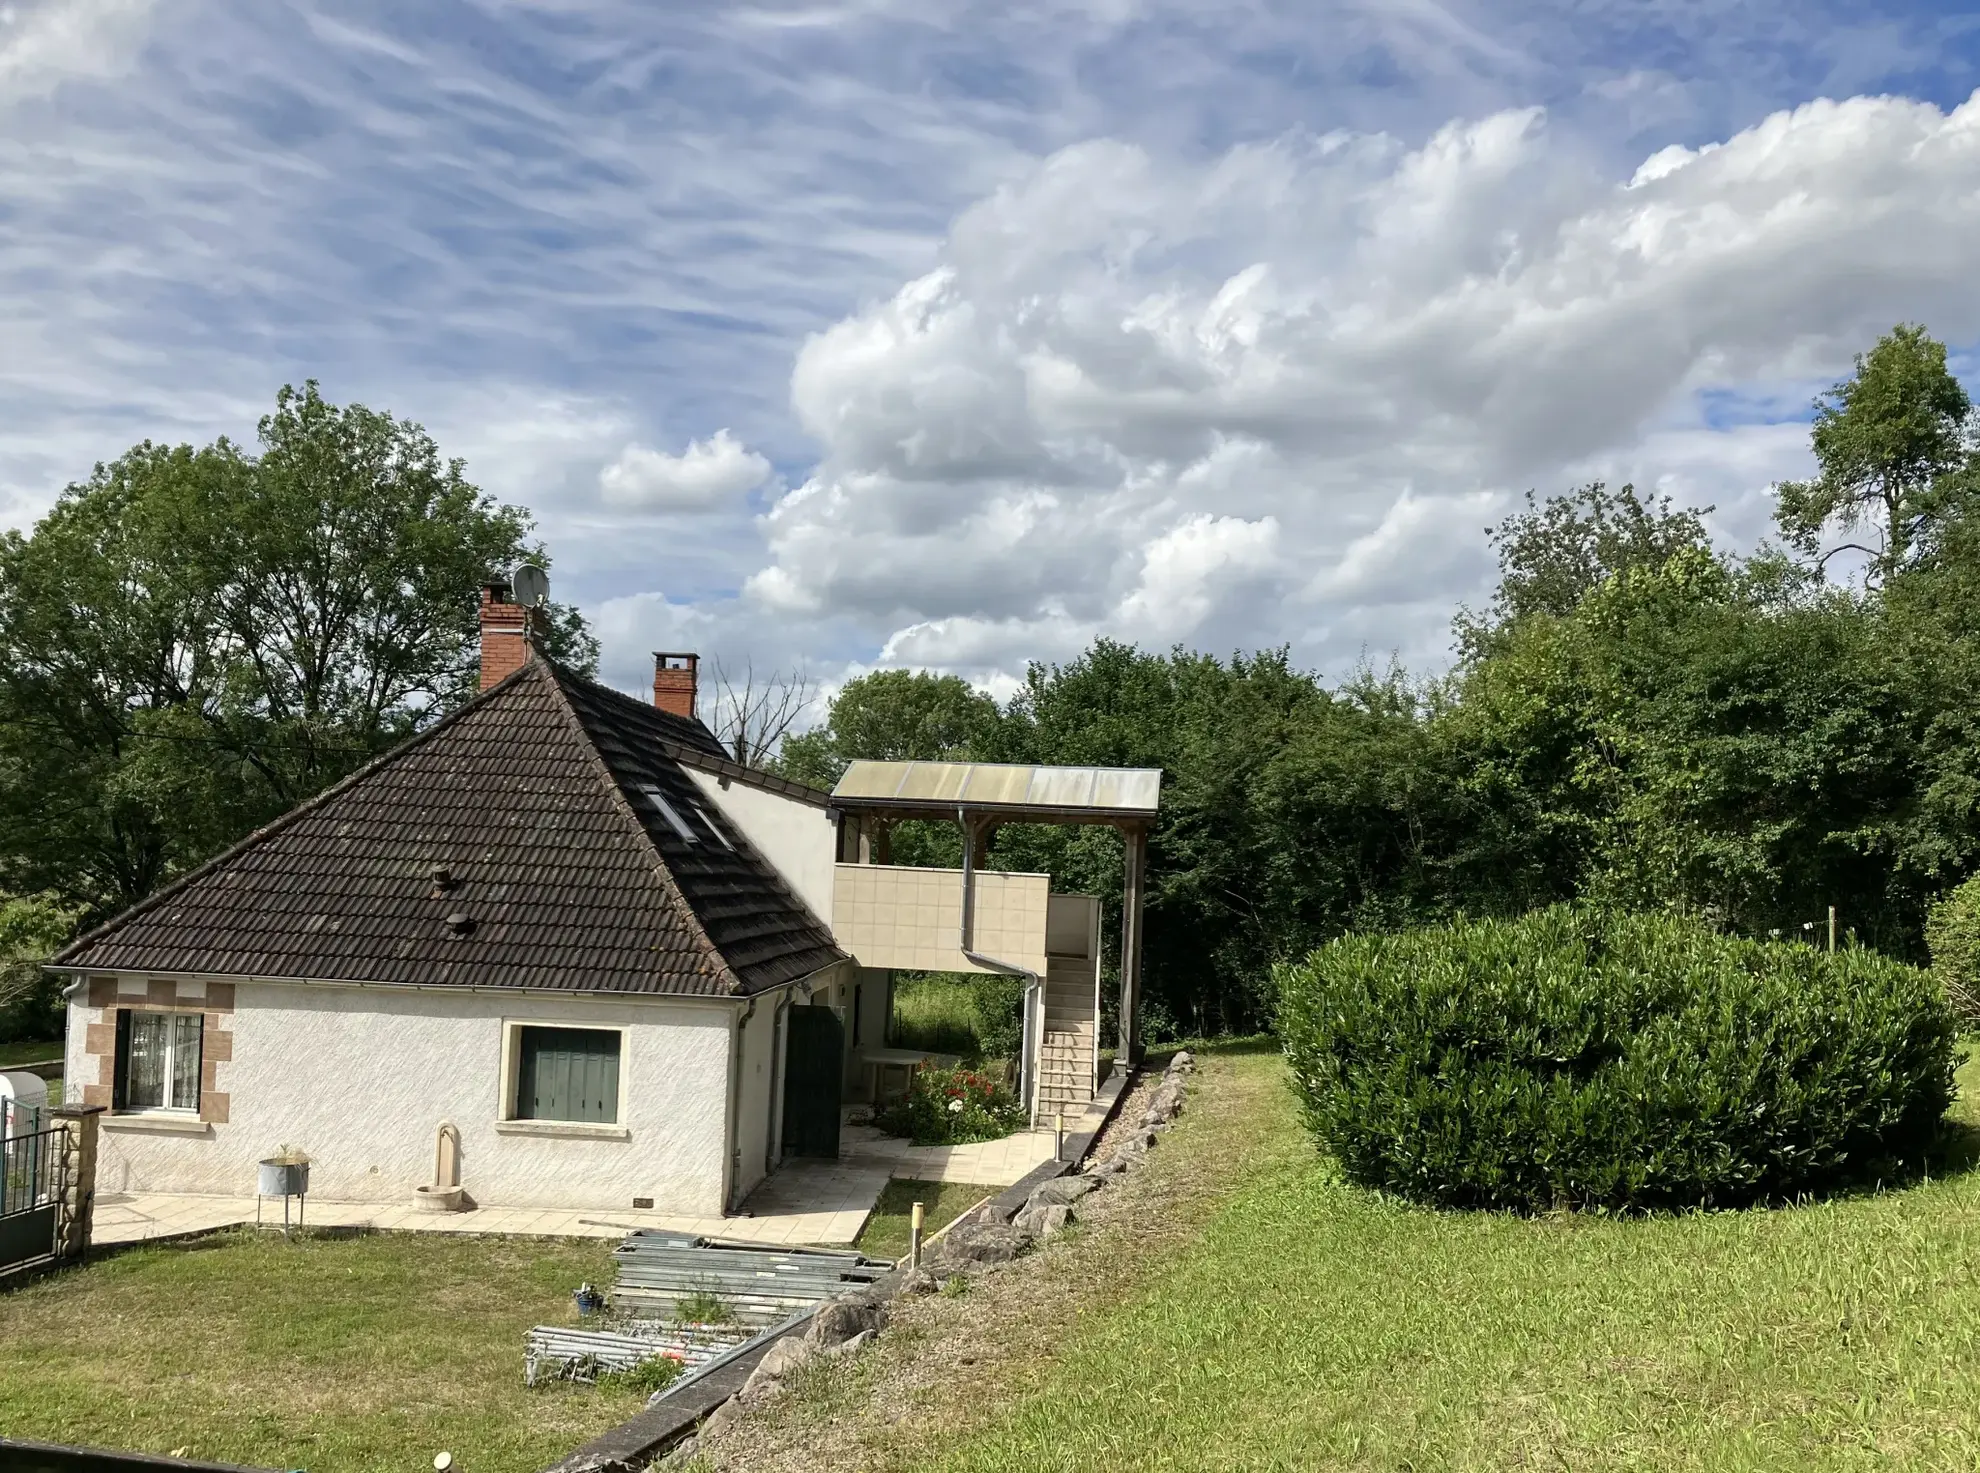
{"type": "Point", "coordinates": [538, 798]}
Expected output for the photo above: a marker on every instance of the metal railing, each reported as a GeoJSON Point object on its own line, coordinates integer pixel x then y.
{"type": "Point", "coordinates": [28, 1165]}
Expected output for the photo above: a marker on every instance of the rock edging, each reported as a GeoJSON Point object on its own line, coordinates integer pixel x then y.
{"type": "Point", "coordinates": [998, 1232]}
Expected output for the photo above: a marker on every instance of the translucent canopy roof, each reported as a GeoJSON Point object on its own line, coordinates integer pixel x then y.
{"type": "Point", "coordinates": [1064, 794]}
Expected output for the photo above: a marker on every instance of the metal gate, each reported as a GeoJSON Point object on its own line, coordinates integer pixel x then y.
{"type": "Point", "coordinates": [814, 1066]}
{"type": "Point", "coordinates": [30, 1194]}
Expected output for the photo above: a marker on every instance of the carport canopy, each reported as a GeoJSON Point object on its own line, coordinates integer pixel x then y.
{"type": "Point", "coordinates": [871, 796]}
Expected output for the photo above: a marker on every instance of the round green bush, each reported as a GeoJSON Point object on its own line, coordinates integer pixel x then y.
{"type": "Point", "coordinates": [1572, 1058]}
{"type": "Point", "coordinates": [1953, 933]}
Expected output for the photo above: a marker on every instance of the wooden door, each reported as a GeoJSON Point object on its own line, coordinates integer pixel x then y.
{"type": "Point", "coordinates": [814, 1066]}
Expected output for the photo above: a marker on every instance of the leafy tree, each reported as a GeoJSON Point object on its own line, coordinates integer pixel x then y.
{"type": "Point", "coordinates": [892, 716]}
{"type": "Point", "coordinates": [1287, 812]}
{"type": "Point", "coordinates": [193, 641]}
{"type": "Point", "coordinates": [1887, 441]}
{"type": "Point", "coordinates": [32, 929]}
{"type": "Point", "coordinates": [1556, 552]}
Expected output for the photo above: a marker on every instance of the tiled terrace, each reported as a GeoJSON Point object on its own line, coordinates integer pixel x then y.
{"type": "Point", "coordinates": [816, 1202]}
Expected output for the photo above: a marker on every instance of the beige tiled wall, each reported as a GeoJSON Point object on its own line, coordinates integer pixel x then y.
{"type": "Point", "coordinates": [894, 916]}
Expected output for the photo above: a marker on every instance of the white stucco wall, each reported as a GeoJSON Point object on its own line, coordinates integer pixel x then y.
{"type": "Point", "coordinates": [801, 841]}
{"type": "Point", "coordinates": [360, 1079]}
{"type": "Point", "coordinates": [758, 1090]}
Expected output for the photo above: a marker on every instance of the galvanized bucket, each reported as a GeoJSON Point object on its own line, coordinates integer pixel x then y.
{"type": "Point", "coordinates": [284, 1178]}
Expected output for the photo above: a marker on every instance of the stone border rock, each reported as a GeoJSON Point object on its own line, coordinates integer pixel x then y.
{"type": "Point", "coordinates": [1043, 1203]}
{"type": "Point", "coordinates": [1002, 1229]}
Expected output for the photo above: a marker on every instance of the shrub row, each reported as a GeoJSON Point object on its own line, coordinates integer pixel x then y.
{"type": "Point", "coordinates": [1572, 1058]}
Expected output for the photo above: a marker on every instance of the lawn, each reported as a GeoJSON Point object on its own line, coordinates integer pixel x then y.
{"type": "Point", "coordinates": [330, 1354]}
{"type": "Point", "coordinates": [13, 1055]}
{"type": "Point", "coordinates": [1314, 1324]}
{"type": "Point", "coordinates": [886, 1232]}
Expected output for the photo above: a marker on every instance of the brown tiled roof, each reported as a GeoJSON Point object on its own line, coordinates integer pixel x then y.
{"type": "Point", "coordinates": [538, 799]}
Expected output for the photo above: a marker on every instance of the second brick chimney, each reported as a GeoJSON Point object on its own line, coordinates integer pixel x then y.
{"type": "Point", "coordinates": [674, 681]}
{"type": "Point", "coordinates": [504, 634]}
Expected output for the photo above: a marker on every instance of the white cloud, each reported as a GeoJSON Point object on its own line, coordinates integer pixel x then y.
{"type": "Point", "coordinates": [44, 44]}
{"type": "Point", "coordinates": [709, 475]}
{"type": "Point", "coordinates": [1277, 395]}
{"type": "Point", "coordinates": [1172, 260]}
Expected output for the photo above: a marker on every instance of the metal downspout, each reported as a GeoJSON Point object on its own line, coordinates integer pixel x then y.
{"type": "Point", "coordinates": [732, 1163]}
{"type": "Point", "coordinates": [773, 1128]}
{"type": "Point", "coordinates": [1033, 984]}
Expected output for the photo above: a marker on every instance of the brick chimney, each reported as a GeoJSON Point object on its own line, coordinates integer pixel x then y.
{"type": "Point", "coordinates": [673, 682]}
{"type": "Point", "coordinates": [504, 634]}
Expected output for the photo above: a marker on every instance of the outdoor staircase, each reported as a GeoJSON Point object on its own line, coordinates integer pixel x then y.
{"type": "Point", "coordinates": [1072, 1020]}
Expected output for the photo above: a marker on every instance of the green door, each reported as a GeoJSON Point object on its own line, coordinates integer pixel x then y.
{"type": "Point", "coordinates": [814, 1064]}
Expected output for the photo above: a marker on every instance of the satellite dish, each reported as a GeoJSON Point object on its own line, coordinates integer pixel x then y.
{"type": "Point", "coordinates": [531, 585]}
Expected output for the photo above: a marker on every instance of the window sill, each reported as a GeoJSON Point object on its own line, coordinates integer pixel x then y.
{"type": "Point", "coordinates": [161, 1123]}
{"type": "Point", "coordinates": [575, 1130]}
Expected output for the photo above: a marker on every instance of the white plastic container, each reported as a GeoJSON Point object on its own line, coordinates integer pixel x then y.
{"type": "Point", "coordinates": [23, 1103]}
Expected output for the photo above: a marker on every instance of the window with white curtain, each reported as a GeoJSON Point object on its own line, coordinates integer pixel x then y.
{"type": "Point", "coordinates": [161, 1061]}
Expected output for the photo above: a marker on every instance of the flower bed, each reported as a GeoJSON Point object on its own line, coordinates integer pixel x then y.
{"type": "Point", "coordinates": [948, 1107]}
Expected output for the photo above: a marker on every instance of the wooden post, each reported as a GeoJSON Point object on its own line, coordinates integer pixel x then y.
{"type": "Point", "coordinates": [914, 1237]}
{"type": "Point", "coordinates": [1132, 885]}
{"type": "Point", "coordinates": [1832, 928]}
{"type": "Point", "coordinates": [1059, 1136]}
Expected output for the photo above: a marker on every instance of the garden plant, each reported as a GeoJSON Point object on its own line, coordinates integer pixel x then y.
{"type": "Point", "coordinates": [945, 1107]}
{"type": "Point", "coordinates": [1587, 1059]}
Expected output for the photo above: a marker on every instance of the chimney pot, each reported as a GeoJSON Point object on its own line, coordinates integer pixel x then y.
{"type": "Point", "coordinates": [674, 677]}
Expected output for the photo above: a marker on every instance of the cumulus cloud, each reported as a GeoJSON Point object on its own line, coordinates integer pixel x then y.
{"type": "Point", "coordinates": [1070, 328]}
{"type": "Point", "coordinates": [709, 475]}
{"type": "Point", "coordinates": [1276, 395]}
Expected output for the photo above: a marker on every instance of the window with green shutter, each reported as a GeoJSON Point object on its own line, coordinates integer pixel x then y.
{"type": "Point", "coordinates": [568, 1074]}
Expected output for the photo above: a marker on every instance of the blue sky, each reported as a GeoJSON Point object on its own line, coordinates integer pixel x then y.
{"type": "Point", "coordinates": [957, 334]}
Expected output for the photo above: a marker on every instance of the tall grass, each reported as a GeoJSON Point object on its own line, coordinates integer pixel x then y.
{"type": "Point", "coordinates": [973, 1017]}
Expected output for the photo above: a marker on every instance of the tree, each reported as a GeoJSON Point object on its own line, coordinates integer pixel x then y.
{"type": "Point", "coordinates": [893, 716]}
{"type": "Point", "coordinates": [193, 641]}
{"type": "Point", "coordinates": [1885, 442]}
{"type": "Point", "coordinates": [1553, 554]}
{"type": "Point", "coordinates": [31, 931]}
{"type": "Point", "coordinates": [753, 713]}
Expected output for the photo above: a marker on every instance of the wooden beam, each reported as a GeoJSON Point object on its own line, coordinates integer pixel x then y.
{"type": "Point", "coordinates": [1133, 884]}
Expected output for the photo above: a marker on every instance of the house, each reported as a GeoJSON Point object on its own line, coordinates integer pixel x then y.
{"type": "Point", "coordinates": [564, 932]}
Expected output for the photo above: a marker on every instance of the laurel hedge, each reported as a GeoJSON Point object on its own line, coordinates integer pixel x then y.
{"type": "Point", "coordinates": [1579, 1059]}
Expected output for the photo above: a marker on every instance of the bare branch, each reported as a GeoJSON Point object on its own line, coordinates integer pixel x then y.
{"type": "Point", "coordinates": [753, 713]}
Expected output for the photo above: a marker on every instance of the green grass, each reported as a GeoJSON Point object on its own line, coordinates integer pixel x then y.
{"type": "Point", "coordinates": [1313, 1324]}
{"type": "Point", "coordinates": [365, 1353]}
{"type": "Point", "coordinates": [12, 1055]}
{"type": "Point", "coordinates": [886, 1232]}
{"type": "Point", "coordinates": [937, 1012]}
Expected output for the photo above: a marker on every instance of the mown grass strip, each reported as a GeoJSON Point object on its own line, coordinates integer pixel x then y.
{"type": "Point", "coordinates": [1315, 1324]}
{"type": "Point", "coordinates": [886, 1231]}
{"type": "Point", "coordinates": [342, 1355]}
